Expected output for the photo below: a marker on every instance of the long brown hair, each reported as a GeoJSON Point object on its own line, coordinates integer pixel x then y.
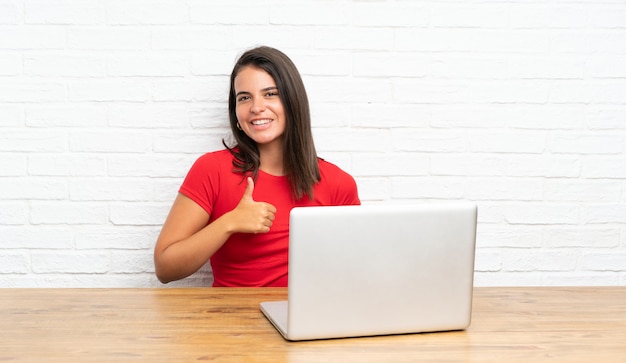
{"type": "Point", "coordinates": [300, 157]}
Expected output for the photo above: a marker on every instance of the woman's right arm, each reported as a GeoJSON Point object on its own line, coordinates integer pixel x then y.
{"type": "Point", "coordinates": [187, 242]}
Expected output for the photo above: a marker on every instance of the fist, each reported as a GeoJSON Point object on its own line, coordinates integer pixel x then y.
{"type": "Point", "coordinates": [253, 216]}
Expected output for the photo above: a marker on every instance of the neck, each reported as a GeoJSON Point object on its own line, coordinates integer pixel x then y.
{"type": "Point", "coordinates": [272, 159]}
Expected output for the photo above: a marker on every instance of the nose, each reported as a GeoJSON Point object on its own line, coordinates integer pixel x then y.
{"type": "Point", "coordinates": [257, 106]}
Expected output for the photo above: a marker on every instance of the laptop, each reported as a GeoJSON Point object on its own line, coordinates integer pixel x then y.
{"type": "Point", "coordinates": [377, 269]}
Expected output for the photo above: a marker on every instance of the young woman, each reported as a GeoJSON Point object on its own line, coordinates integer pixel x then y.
{"type": "Point", "coordinates": [233, 206]}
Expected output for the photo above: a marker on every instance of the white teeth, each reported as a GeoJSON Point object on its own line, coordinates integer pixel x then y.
{"type": "Point", "coordinates": [261, 122]}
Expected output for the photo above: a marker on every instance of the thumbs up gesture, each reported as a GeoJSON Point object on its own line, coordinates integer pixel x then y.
{"type": "Point", "coordinates": [252, 216]}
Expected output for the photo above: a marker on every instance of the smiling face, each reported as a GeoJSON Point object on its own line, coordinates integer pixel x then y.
{"type": "Point", "coordinates": [258, 107]}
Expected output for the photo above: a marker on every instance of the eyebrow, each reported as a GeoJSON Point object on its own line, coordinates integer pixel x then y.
{"type": "Point", "coordinates": [262, 90]}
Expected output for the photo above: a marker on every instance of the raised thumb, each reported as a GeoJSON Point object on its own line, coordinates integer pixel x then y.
{"type": "Point", "coordinates": [247, 194]}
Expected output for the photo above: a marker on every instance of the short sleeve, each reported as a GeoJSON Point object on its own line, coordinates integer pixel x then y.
{"type": "Point", "coordinates": [202, 181]}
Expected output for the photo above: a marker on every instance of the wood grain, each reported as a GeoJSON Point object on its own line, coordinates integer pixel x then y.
{"type": "Point", "coordinates": [533, 324]}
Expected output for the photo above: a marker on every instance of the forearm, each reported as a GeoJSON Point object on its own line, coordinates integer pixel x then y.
{"type": "Point", "coordinates": [183, 258]}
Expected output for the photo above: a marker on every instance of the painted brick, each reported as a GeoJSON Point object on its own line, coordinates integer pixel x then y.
{"type": "Point", "coordinates": [37, 188]}
{"type": "Point", "coordinates": [382, 65]}
{"type": "Point", "coordinates": [509, 142]}
{"type": "Point", "coordinates": [537, 260]}
{"type": "Point", "coordinates": [83, 262]}
{"type": "Point", "coordinates": [604, 168]}
{"type": "Point", "coordinates": [455, 117]}
{"type": "Point", "coordinates": [106, 189]}
{"type": "Point", "coordinates": [518, 106]}
{"type": "Point", "coordinates": [215, 116]}
{"type": "Point", "coordinates": [580, 279]}
{"type": "Point", "coordinates": [153, 166]}
{"type": "Point", "coordinates": [33, 91]}
{"type": "Point", "coordinates": [614, 261]}
{"type": "Point", "coordinates": [214, 63]}
{"type": "Point", "coordinates": [405, 164]}
{"type": "Point", "coordinates": [36, 237]}
{"type": "Point", "coordinates": [606, 118]}
{"type": "Point", "coordinates": [390, 116]}
{"type": "Point", "coordinates": [543, 165]}
{"type": "Point", "coordinates": [12, 115]}
{"type": "Point", "coordinates": [161, 12]}
{"type": "Point", "coordinates": [469, 67]}
{"type": "Point", "coordinates": [13, 165]}
{"type": "Point", "coordinates": [63, 12]}
{"type": "Point", "coordinates": [498, 236]}
{"type": "Point", "coordinates": [582, 237]}
{"type": "Point", "coordinates": [148, 116]}
{"type": "Point", "coordinates": [325, 13]}
{"type": "Point", "coordinates": [323, 63]}
{"type": "Point", "coordinates": [110, 141]}
{"type": "Point", "coordinates": [341, 38]}
{"type": "Point", "coordinates": [138, 214]}
{"type": "Point", "coordinates": [373, 189]}
{"type": "Point", "coordinates": [32, 37]}
{"type": "Point", "coordinates": [588, 191]}
{"type": "Point", "coordinates": [510, 41]}
{"type": "Point", "coordinates": [541, 214]}
{"type": "Point", "coordinates": [206, 38]}
{"type": "Point", "coordinates": [505, 189]}
{"type": "Point", "coordinates": [116, 238]}
{"type": "Point", "coordinates": [74, 165]}
{"type": "Point", "coordinates": [132, 262]}
{"type": "Point", "coordinates": [14, 213]}
{"type": "Point", "coordinates": [64, 65]}
{"type": "Point", "coordinates": [225, 12]}
{"type": "Point", "coordinates": [215, 90]}
{"type": "Point", "coordinates": [333, 115]}
{"type": "Point", "coordinates": [413, 90]}
{"type": "Point", "coordinates": [10, 64]}
{"type": "Point", "coordinates": [352, 90]}
{"type": "Point", "coordinates": [429, 141]}
{"type": "Point", "coordinates": [137, 65]}
{"type": "Point", "coordinates": [366, 140]}
{"type": "Point", "coordinates": [427, 188]}
{"type": "Point", "coordinates": [66, 115]}
{"type": "Point", "coordinates": [14, 263]}
{"type": "Point", "coordinates": [108, 38]}
{"type": "Point", "coordinates": [186, 142]}
{"type": "Point", "coordinates": [557, 16]}
{"type": "Point", "coordinates": [587, 144]}
{"type": "Point", "coordinates": [378, 14]}
{"type": "Point", "coordinates": [464, 164]}
{"type": "Point", "coordinates": [433, 40]}
{"type": "Point", "coordinates": [68, 213]}
{"type": "Point", "coordinates": [604, 213]}
{"type": "Point", "coordinates": [488, 260]}
{"type": "Point", "coordinates": [112, 90]}
{"type": "Point", "coordinates": [10, 12]}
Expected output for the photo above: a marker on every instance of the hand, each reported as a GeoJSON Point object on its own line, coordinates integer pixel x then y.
{"type": "Point", "coordinates": [251, 216]}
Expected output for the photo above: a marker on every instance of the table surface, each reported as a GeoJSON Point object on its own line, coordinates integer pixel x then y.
{"type": "Point", "coordinates": [517, 324]}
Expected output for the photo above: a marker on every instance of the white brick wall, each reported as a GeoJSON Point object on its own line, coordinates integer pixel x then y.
{"type": "Point", "coordinates": [517, 105]}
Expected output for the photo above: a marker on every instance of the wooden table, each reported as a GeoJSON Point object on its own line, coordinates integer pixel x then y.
{"type": "Point", "coordinates": [583, 324]}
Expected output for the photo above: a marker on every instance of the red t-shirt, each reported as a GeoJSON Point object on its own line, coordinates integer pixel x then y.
{"type": "Point", "coordinates": [257, 259]}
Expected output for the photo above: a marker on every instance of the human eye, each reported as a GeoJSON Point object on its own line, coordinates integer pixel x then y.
{"type": "Point", "coordinates": [243, 98]}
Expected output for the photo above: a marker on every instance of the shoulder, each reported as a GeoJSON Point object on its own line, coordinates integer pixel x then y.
{"type": "Point", "coordinates": [219, 155]}
{"type": "Point", "coordinates": [330, 170]}
{"type": "Point", "coordinates": [338, 183]}
{"type": "Point", "coordinates": [214, 159]}
{"type": "Point", "coordinates": [211, 163]}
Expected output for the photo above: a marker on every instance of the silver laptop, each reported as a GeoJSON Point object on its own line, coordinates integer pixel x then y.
{"type": "Point", "coordinates": [377, 269]}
